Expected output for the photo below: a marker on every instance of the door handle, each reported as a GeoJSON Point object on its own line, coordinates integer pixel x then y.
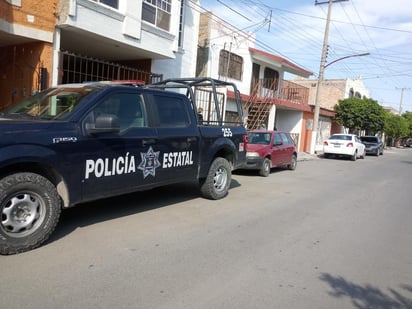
{"type": "Point", "coordinates": [191, 139]}
{"type": "Point", "coordinates": [150, 141]}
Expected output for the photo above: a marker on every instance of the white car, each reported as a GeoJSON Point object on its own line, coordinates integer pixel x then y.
{"type": "Point", "coordinates": [348, 145]}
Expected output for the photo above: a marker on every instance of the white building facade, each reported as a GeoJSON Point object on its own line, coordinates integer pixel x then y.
{"type": "Point", "coordinates": [149, 36]}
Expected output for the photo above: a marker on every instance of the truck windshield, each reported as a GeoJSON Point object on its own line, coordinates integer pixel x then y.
{"type": "Point", "coordinates": [53, 103]}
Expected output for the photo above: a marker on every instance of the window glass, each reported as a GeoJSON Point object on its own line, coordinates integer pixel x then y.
{"type": "Point", "coordinates": [157, 12]}
{"type": "Point", "coordinates": [278, 139]}
{"type": "Point", "coordinates": [230, 65]}
{"type": "Point", "coordinates": [270, 79]}
{"type": "Point", "coordinates": [259, 138]}
{"type": "Point", "coordinates": [285, 139]}
{"type": "Point", "coordinates": [54, 103]}
{"type": "Point", "coordinates": [127, 107]}
{"type": "Point", "coordinates": [111, 3]}
{"type": "Point", "coordinates": [341, 137]}
{"type": "Point", "coordinates": [149, 13]}
{"type": "Point", "coordinates": [171, 111]}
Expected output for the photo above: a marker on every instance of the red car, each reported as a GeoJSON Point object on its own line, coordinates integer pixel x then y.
{"type": "Point", "coordinates": [267, 149]}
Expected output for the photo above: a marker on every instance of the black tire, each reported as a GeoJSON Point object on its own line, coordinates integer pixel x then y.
{"type": "Point", "coordinates": [326, 155]}
{"type": "Point", "coordinates": [265, 169]}
{"type": "Point", "coordinates": [30, 209]}
{"type": "Point", "coordinates": [293, 163]}
{"type": "Point", "coordinates": [355, 156]}
{"type": "Point", "coordinates": [363, 155]}
{"type": "Point", "coordinates": [216, 185]}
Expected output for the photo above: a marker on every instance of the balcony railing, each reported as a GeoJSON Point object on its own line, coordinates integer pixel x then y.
{"type": "Point", "coordinates": [264, 90]}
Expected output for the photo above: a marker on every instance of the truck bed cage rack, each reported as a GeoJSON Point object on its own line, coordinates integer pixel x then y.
{"type": "Point", "coordinates": [205, 84]}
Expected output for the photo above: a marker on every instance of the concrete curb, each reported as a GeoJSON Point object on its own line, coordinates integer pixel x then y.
{"type": "Point", "coordinates": [304, 156]}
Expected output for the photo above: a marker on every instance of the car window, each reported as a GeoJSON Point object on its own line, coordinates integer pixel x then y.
{"type": "Point", "coordinates": [370, 139]}
{"type": "Point", "coordinates": [278, 139]}
{"type": "Point", "coordinates": [128, 107]}
{"type": "Point", "coordinates": [172, 111]}
{"type": "Point", "coordinates": [341, 137]}
{"type": "Point", "coordinates": [286, 140]}
{"type": "Point", "coordinates": [54, 103]}
{"type": "Point", "coordinates": [259, 138]}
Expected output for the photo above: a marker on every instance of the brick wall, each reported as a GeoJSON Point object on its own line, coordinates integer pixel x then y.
{"type": "Point", "coordinates": [33, 13]}
{"type": "Point", "coordinates": [21, 63]}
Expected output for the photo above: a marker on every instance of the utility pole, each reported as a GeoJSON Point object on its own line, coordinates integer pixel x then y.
{"type": "Point", "coordinates": [315, 126]}
{"type": "Point", "coordinates": [400, 103]}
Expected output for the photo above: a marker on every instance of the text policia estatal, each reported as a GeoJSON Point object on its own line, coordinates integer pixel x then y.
{"type": "Point", "coordinates": [104, 167]}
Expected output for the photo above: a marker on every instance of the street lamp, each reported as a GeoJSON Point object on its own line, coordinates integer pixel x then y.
{"type": "Point", "coordinates": [317, 101]}
{"type": "Point", "coordinates": [356, 55]}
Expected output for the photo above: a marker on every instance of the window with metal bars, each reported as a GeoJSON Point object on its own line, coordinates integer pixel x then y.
{"type": "Point", "coordinates": [157, 12]}
{"type": "Point", "coordinates": [230, 65]}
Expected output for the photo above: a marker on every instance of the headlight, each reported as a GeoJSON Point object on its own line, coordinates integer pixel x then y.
{"type": "Point", "coordinates": [252, 154]}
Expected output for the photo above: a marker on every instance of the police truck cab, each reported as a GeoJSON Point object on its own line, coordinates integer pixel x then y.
{"type": "Point", "coordinates": [75, 143]}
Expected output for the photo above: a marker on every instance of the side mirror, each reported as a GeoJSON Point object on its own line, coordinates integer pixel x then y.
{"type": "Point", "coordinates": [105, 123]}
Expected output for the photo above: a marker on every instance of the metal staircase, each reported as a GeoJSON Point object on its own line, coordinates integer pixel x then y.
{"type": "Point", "coordinates": [258, 107]}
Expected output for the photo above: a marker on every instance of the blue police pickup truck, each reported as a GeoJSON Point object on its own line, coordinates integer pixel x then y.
{"type": "Point", "coordinates": [75, 143]}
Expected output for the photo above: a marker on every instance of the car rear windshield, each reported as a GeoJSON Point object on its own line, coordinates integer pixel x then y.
{"type": "Point", "coordinates": [341, 137]}
{"type": "Point", "coordinates": [369, 139]}
{"type": "Point", "coordinates": [259, 138]}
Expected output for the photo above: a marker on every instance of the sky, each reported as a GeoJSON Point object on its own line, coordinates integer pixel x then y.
{"type": "Point", "coordinates": [295, 30]}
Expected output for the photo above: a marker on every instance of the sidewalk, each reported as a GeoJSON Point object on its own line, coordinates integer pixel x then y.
{"type": "Point", "coordinates": [305, 156]}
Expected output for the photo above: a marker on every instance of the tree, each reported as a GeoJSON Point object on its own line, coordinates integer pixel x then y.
{"type": "Point", "coordinates": [360, 114]}
{"type": "Point", "coordinates": [396, 126]}
{"type": "Point", "coordinates": [408, 117]}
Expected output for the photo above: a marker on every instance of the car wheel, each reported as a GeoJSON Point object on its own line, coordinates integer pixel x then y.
{"type": "Point", "coordinates": [265, 169]}
{"type": "Point", "coordinates": [326, 155]}
{"type": "Point", "coordinates": [354, 156]}
{"type": "Point", "coordinates": [293, 163]}
{"type": "Point", "coordinates": [30, 209]}
{"type": "Point", "coordinates": [216, 185]}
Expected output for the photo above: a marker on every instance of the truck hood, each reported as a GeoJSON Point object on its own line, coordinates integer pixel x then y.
{"type": "Point", "coordinates": [13, 126]}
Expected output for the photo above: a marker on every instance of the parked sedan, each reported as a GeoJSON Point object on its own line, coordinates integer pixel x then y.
{"type": "Point", "coordinates": [347, 145]}
{"type": "Point", "coordinates": [267, 149]}
{"type": "Point", "coordinates": [373, 145]}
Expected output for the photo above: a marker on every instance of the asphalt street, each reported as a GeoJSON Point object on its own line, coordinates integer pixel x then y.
{"type": "Point", "coordinates": [331, 234]}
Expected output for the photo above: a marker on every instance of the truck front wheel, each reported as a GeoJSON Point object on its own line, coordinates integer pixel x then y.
{"type": "Point", "coordinates": [30, 209]}
{"type": "Point", "coordinates": [216, 185]}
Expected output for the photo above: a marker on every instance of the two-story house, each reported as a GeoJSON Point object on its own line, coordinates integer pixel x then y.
{"type": "Point", "coordinates": [330, 92]}
{"type": "Point", "coordinates": [70, 41]}
{"type": "Point", "coordinates": [268, 99]}
{"type": "Point", "coordinates": [124, 39]}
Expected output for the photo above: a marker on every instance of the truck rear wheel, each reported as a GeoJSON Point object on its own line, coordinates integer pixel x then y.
{"type": "Point", "coordinates": [216, 185]}
{"type": "Point", "coordinates": [30, 209]}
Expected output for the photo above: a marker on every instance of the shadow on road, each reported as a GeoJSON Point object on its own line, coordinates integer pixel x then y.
{"type": "Point", "coordinates": [120, 206]}
{"type": "Point", "coordinates": [368, 296]}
